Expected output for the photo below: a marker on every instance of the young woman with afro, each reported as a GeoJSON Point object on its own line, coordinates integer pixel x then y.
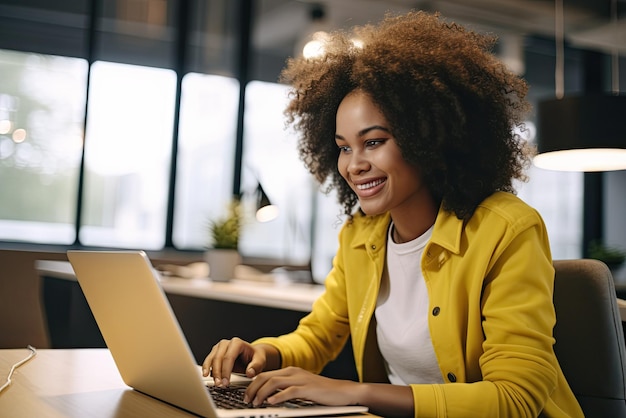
{"type": "Point", "coordinates": [443, 278]}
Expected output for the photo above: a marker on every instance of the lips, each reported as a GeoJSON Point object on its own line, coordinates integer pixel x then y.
{"type": "Point", "coordinates": [370, 184]}
{"type": "Point", "coordinates": [369, 187]}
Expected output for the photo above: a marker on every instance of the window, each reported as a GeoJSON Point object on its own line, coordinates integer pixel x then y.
{"type": "Point", "coordinates": [127, 155]}
{"type": "Point", "coordinates": [42, 107]}
{"type": "Point", "coordinates": [270, 157]}
{"type": "Point", "coordinates": [206, 149]}
{"type": "Point", "coordinates": [559, 206]}
{"type": "Point", "coordinates": [130, 119]}
{"type": "Point", "coordinates": [306, 228]}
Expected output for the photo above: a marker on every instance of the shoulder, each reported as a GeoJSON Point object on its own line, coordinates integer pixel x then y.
{"type": "Point", "coordinates": [507, 207]}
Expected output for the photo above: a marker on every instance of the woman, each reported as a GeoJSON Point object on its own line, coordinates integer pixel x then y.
{"type": "Point", "coordinates": [443, 278]}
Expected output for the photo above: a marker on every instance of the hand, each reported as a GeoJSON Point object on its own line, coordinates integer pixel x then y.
{"type": "Point", "coordinates": [293, 382]}
{"type": "Point", "coordinates": [234, 355]}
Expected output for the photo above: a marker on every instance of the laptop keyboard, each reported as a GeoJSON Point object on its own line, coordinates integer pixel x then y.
{"type": "Point", "coordinates": [232, 398]}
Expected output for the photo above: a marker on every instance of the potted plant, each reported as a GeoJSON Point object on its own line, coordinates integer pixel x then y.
{"type": "Point", "coordinates": [223, 253]}
{"type": "Point", "coordinates": [611, 256]}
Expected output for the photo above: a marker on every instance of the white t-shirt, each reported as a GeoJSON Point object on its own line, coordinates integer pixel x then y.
{"type": "Point", "coordinates": [402, 315]}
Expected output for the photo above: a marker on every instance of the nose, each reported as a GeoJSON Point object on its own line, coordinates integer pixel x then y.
{"type": "Point", "coordinates": [358, 163]}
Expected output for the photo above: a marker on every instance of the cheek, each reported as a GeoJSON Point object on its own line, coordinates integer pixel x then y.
{"type": "Point", "coordinates": [342, 165]}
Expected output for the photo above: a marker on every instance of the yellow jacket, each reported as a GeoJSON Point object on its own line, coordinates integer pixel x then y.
{"type": "Point", "coordinates": [490, 283]}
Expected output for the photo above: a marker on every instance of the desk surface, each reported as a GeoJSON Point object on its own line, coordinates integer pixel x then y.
{"type": "Point", "coordinates": [76, 383]}
{"type": "Point", "coordinates": [73, 383]}
{"type": "Point", "coordinates": [276, 294]}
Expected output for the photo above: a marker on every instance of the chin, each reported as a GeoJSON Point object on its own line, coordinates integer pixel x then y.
{"type": "Point", "coordinates": [371, 211]}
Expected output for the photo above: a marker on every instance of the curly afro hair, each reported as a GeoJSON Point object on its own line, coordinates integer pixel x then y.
{"type": "Point", "coordinates": [451, 104]}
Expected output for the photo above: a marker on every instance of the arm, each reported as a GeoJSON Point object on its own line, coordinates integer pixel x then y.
{"type": "Point", "coordinates": [318, 339]}
{"type": "Point", "coordinates": [322, 334]}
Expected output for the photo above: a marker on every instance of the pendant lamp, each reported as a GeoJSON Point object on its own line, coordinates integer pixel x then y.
{"type": "Point", "coordinates": [265, 210]}
{"type": "Point", "coordinates": [581, 133]}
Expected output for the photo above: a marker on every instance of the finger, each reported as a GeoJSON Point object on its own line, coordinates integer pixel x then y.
{"type": "Point", "coordinates": [287, 394]}
{"type": "Point", "coordinates": [256, 365]}
{"type": "Point", "coordinates": [279, 388]}
{"type": "Point", "coordinates": [230, 355]}
{"type": "Point", "coordinates": [216, 363]}
{"type": "Point", "coordinates": [254, 385]}
{"type": "Point", "coordinates": [265, 385]}
{"type": "Point", "coordinates": [208, 360]}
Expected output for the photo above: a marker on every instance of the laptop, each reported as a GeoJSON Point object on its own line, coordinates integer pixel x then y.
{"type": "Point", "coordinates": [146, 341]}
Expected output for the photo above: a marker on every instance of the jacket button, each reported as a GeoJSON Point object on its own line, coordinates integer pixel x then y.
{"type": "Point", "coordinates": [373, 247]}
{"type": "Point", "coordinates": [451, 377]}
{"type": "Point", "coordinates": [436, 310]}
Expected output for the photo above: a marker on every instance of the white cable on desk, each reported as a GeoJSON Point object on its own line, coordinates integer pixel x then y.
{"type": "Point", "coordinates": [33, 353]}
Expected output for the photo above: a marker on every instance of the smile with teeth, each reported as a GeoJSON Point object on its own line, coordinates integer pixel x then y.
{"type": "Point", "coordinates": [370, 184]}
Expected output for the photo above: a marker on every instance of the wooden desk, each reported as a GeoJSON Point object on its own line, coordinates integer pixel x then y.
{"type": "Point", "coordinates": [80, 383]}
{"type": "Point", "coordinates": [74, 383]}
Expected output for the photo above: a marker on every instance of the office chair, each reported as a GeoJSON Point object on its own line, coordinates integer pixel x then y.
{"type": "Point", "coordinates": [589, 337]}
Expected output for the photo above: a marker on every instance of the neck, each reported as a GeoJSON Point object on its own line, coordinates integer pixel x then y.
{"type": "Point", "coordinates": [410, 224]}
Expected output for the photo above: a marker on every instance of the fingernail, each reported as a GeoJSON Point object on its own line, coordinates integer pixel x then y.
{"type": "Point", "coordinates": [251, 372]}
{"type": "Point", "coordinates": [246, 399]}
{"type": "Point", "coordinates": [218, 382]}
{"type": "Point", "coordinates": [225, 381]}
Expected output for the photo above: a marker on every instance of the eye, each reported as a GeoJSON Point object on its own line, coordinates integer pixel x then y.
{"type": "Point", "coordinates": [344, 148]}
{"type": "Point", "coordinates": [373, 143]}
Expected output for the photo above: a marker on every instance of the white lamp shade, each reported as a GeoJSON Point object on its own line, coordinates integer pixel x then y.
{"type": "Point", "coordinates": [586, 133]}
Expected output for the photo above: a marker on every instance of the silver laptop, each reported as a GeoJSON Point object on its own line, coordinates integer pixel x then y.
{"type": "Point", "coordinates": [146, 341]}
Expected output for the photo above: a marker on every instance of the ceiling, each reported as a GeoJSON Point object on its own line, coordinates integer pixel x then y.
{"type": "Point", "coordinates": [587, 23]}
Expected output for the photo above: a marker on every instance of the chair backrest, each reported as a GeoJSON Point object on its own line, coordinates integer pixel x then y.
{"type": "Point", "coordinates": [589, 336]}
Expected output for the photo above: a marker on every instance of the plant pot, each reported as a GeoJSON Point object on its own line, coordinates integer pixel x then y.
{"type": "Point", "coordinates": [222, 263]}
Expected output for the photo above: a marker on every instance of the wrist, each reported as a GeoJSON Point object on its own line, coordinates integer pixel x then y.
{"type": "Point", "coordinates": [273, 358]}
{"type": "Point", "coordinates": [360, 393]}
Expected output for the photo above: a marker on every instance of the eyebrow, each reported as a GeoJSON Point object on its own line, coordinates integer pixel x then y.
{"type": "Point", "coordinates": [363, 132]}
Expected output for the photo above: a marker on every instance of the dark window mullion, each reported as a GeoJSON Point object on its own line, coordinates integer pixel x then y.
{"type": "Point", "coordinates": [90, 53]}
{"type": "Point", "coordinates": [242, 68]}
{"type": "Point", "coordinates": [180, 66]}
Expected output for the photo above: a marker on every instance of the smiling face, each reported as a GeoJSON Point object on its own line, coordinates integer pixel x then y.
{"type": "Point", "coordinates": [371, 162]}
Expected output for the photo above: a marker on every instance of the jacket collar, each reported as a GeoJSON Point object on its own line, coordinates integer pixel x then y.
{"type": "Point", "coordinates": [446, 233]}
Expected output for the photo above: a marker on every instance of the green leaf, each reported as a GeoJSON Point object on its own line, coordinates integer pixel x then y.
{"type": "Point", "coordinates": [225, 231]}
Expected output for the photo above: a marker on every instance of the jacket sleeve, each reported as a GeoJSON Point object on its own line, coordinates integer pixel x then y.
{"type": "Point", "coordinates": [322, 334]}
